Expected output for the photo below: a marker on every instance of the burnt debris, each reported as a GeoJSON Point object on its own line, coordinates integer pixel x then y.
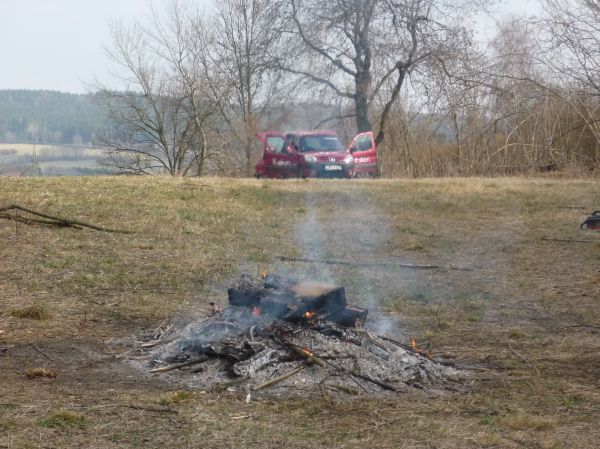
{"type": "Point", "coordinates": [290, 336]}
{"type": "Point", "coordinates": [296, 300]}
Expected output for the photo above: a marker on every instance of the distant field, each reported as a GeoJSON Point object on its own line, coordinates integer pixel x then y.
{"type": "Point", "coordinates": [27, 148]}
{"type": "Point", "coordinates": [54, 160]}
{"type": "Point", "coordinates": [515, 300]}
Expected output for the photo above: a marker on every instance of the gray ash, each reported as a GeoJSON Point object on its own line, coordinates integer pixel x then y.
{"type": "Point", "coordinates": [286, 336]}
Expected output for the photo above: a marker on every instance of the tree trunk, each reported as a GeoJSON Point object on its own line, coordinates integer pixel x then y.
{"type": "Point", "coordinates": [361, 103]}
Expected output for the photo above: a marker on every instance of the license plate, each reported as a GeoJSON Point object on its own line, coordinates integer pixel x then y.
{"type": "Point", "coordinates": [333, 167]}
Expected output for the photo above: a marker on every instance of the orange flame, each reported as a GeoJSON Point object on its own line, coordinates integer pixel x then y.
{"type": "Point", "coordinates": [264, 274]}
{"type": "Point", "coordinates": [425, 352]}
{"type": "Point", "coordinates": [307, 352]}
{"type": "Point", "coordinates": [309, 315]}
{"type": "Point", "coordinates": [256, 311]}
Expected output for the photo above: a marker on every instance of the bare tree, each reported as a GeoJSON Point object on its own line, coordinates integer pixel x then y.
{"type": "Point", "coordinates": [573, 28]}
{"type": "Point", "coordinates": [161, 112]}
{"type": "Point", "coordinates": [364, 50]}
{"type": "Point", "coordinates": [244, 37]}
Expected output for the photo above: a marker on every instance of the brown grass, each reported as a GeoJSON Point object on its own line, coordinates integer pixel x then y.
{"type": "Point", "coordinates": [36, 311]}
{"type": "Point", "coordinates": [46, 373]}
{"type": "Point", "coordinates": [525, 317]}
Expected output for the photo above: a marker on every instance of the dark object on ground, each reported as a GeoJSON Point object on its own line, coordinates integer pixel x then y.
{"type": "Point", "coordinates": [50, 219]}
{"type": "Point", "coordinates": [592, 223]}
{"type": "Point", "coordinates": [296, 300]}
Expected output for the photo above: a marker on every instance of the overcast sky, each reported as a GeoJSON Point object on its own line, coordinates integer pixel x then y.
{"type": "Point", "coordinates": [58, 44]}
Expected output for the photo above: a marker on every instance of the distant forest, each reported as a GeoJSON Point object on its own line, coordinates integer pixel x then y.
{"type": "Point", "coordinates": [49, 117]}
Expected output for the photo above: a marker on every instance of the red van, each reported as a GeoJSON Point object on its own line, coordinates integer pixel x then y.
{"type": "Point", "coordinates": [316, 154]}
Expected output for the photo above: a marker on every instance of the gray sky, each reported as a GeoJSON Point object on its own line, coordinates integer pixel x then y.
{"type": "Point", "coordinates": [58, 44]}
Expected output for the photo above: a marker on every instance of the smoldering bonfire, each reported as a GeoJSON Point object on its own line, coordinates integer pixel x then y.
{"type": "Point", "coordinates": [293, 337]}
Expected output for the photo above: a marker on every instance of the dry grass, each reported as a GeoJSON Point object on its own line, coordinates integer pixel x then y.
{"type": "Point", "coordinates": [36, 311]}
{"type": "Point", "coordinates": [45, 373]}
{"type": "Point", "coordinates": [525, 316]}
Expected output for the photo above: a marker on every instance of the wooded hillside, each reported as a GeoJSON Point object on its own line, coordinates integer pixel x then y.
{"type": "Point", "coordinates": [49, 117]}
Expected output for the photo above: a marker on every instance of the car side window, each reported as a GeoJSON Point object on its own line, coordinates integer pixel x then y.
{"type": "Point", "coordinates": [364, 143]}
{"type": "Point", "coordinates": [275, 144]}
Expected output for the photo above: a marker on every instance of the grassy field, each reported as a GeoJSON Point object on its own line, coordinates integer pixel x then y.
{"type": "Point", "coordinates": [54, 160]}
{"type": "Point", "coordinates": [512, 302]}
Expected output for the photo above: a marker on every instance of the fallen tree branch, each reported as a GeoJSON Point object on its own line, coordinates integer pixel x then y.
{"type": "Point", "coordinates": [358, 264]}
{"type": "Point", "coordinates": [56, 221]}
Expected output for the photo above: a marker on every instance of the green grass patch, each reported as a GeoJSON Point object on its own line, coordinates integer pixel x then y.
{"type": "Point", "coordinates": [7, 425]}
{"type": "Point", "coordinates": [62, 419]}
{"type": "Point", "coordinates": [176, 397]}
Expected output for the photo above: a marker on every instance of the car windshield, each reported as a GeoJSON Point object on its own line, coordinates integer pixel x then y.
{"type": "Point", "coordinates": [319, 142]}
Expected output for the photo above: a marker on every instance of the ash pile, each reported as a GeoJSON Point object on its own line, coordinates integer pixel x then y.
{"type": "Point", "coordinates": [290, 336]}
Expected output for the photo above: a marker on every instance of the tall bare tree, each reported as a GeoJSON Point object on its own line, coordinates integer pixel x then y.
{"type": "Point", "coordinates": [364, 50]}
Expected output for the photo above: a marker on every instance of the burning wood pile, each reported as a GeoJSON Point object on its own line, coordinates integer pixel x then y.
{"type": "Point", "coordinates": [291, 336]}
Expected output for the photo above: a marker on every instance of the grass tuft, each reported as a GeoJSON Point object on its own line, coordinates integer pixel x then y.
{"type": "Point", "coordinates": [62, 419]}
{"type": "Point", "coordinates": [36, 311]}
{"type": "Point", "coordinates": [7, 426]}
{"type": "Point", "coordinates": [175, 397]}
{"type": "Point", "coordinates": [46, 373]}
{"type": "Point", "coordinates": [524, 421]}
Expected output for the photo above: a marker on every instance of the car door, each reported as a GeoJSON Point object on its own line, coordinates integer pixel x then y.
{"type": "Point", "coordinates": [364, 153]}
{"type": "Point", "coordinates": [279, 160]}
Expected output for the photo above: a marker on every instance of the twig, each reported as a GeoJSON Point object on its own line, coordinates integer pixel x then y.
{"type": "Point", "coordinates": [37, 348]}
{"type": "Point", "coordinates": [375, 381]}
{"type": "Point", "coordinates": [279, 378]}
{"type": "Point", "coordinates": [357, 264]}
{"type": "Point", "coordinates": [550, 239]}
{"type": "Point", "coordinates": [164, 369]}
{"type": "Point", "coordinates": [150, 409]}
{"type": "Point", "coordinates": [421, 352]}
{"type": "Point", "coordinates": [344, 388]}
{"type": "Point", "coordinates": [134, 406]}
{"type": "Point", "coordinates": [58, 220]}
{"type": "Point", "coordinates": [16, 224]}
{"type": "Point", "coordinates": [523, 359]}
{"type": "Point", "coordinates": [312, 358]}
